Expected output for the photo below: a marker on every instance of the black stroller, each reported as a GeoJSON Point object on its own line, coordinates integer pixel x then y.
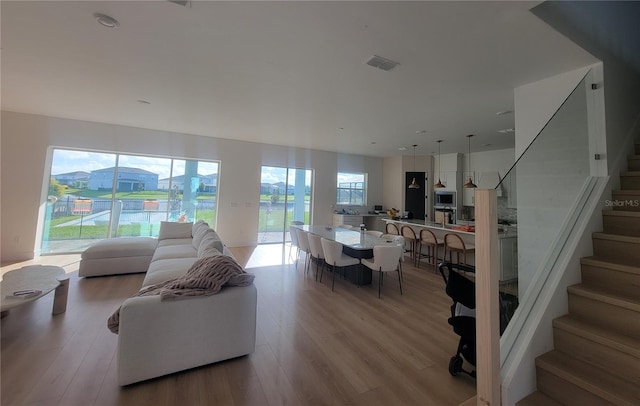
{"type": "Point", "coordinates": [463, 321]}
{"type": "Point", "coordinates": [463, 293]}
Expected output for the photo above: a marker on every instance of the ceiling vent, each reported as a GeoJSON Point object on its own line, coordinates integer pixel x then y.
{"type": "Point", "coordinates": [181, 2]}
{"type": "Point", "coordinates": [382, 63]}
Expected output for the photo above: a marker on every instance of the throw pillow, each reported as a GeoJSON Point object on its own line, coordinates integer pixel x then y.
{"type": "Point", "coordinates": [170, 229]}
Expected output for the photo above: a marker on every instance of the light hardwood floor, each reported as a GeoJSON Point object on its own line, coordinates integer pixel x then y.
{"type": "Point", "coordinates": [313, 346]}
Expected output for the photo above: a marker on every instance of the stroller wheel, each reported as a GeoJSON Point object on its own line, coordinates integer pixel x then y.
{"type": "Point", "coordinates": [455, 365]}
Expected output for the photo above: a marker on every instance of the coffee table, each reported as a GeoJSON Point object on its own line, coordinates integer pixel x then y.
{"type": "Point", "coordinates": [41, 277]}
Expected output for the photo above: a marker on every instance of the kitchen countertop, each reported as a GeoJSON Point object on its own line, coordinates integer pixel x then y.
{"type": "Point", "coordinates": [507, 231]}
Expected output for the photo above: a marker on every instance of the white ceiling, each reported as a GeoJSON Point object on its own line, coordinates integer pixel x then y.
{"type": "Point", "coordinates": [286, 73]}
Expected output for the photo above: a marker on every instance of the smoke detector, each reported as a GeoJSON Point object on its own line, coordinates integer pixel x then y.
{"type": "Point", "coordinates": [382, 63]}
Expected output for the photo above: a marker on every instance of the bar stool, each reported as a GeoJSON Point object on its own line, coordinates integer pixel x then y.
{"type": "Point", "coordinates": [410, 237]}
{"type": "Point", "coordinates": [392, 229]}
{"type": "Point", "coordinates": [454, 243]}
{"type": "Point", "coordinates": [429, 240]}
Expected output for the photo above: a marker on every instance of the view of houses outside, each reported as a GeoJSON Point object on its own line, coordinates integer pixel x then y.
{"type": "Point", "coordinates": [95, 195]}
{"type": "Point", "coordinates": [285, 196]}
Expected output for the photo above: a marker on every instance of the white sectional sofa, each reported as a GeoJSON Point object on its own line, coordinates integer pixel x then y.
{"type": "Point", "coordinates": [161, 337]}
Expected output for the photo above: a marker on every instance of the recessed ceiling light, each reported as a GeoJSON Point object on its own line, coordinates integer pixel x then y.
{"type": "Point", "coordinates": [373, 143]}
{"type": "Point", "coordinates": [402, 149]}
{"type": "Point", "coordinates": [507, 130]}
{"type": "Point", "coordinates": [502, 113]}
{"type": "Point", "coordinates": [143, 102]}
{"type": "Point", "coordinates": [486, 145]}
{"type": "Point", "coordinates": [421, 132]}
{"type": "Point", "coordinates": [106, 20]}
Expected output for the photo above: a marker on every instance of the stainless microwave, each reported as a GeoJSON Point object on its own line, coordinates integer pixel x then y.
{"type": "Point", "coordinates": [444, 198]}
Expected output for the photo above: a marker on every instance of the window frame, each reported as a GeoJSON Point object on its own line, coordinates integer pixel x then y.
{"type": "Point", "coordinates": [352, 188]}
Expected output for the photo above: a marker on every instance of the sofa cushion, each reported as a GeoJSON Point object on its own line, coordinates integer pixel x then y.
{"type": "Point", "coordinates": [198, 224]}
{"type": "Point", "coordinates": [208, 250]}
{"type": "Point", "coordinates": [208, 244]}
{"type": "Point", "coordinates": [213, 238]}
{"type": "Point", "coordinates": [198, 234]}
{"type": "Point", "coordinates": [121, 247]}
{"type": "Point", "coordinates": [174, 241]}
{"type": "Point", "coordinates": [165, 269]}
{"type": "Point", "coordinates": [174, 251]}
{"type": "Point", "coordinates": [170, 229]}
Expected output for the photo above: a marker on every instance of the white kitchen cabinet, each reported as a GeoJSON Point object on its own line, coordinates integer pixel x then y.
{"type": "Point", "coordinates": [347, 219]}
{"type": "Point", "coordinates": [468, 197]}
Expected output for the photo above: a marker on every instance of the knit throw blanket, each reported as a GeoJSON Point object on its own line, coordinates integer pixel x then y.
{"type": "Point", "coordinates": [205, 278]}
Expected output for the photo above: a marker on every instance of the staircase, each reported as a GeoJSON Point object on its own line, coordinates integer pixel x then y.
{"type": "Point", "coordinates": [596, 360]}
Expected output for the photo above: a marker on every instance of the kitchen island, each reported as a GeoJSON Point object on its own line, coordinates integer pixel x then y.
{"type": "Point", "coordinates": [507, 243]}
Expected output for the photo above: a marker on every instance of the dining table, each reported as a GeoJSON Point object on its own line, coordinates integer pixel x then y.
{"type": "Point", "coordinates": [355, 243]}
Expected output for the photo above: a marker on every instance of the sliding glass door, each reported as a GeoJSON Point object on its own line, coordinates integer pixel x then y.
{"type": "Point", "coordinates": [95, 195]}
{"type": "Point", "coordinates": [285, 196]}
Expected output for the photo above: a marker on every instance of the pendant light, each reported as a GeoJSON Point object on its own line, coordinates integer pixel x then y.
{"type": "Point", "coordinates": [414, 184]}
{"type": "Point", "coordinates": [470, 184]}
{"type": "Point", "coordinates": [439, 185]}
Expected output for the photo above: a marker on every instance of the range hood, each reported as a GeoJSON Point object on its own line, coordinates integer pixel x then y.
{"type": "Point", "coordinates": [489, 180]}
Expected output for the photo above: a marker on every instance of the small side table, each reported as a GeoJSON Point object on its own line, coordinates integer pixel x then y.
{"type": "Point", "coordinates": [41, 277]}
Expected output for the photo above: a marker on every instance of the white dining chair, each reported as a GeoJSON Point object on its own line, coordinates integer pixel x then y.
{"type": "Point", "coordinates": [386, 258]}
{"type": "Point", "coordinates": [398, 239]}
{"type": "Point", "coordinates": [294, 243]}
{"type": "Point", "coordinates": [334, 257]}
{"type": "Point", "coordinates": [303, 245]}
{"type": "Point", "coordinates": [317, 252]}
{"type": "Point", "coordinates": [374, 233]}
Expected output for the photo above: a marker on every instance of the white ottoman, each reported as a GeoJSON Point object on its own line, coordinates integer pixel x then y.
{"type": "Point", "coordinates": [118, 256]}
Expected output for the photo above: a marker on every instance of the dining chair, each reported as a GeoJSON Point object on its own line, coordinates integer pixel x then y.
{"type": "Point", "coordinates": [317, 252]}
{"type": "Point", "coordinates": [386, 258]}
{"type": "Point", "coordinates": [374, 233]}
{"type": "Point", "coordinates": [455, 243]}
{"type": "Point", "coordinates": [333, 256]}
{"type": "Point", "coordinates": [398, 239]}
{"type": "Point", "coordinates": [410, 237]}
{"type": "Point", "coordinates": [429, 240]}
{"type": "Point", "coordinates": [294, 242]}
{"type": "Point", "coordinates": [303, 245]}
{"type": "Point", "coordinates": [392, 229]}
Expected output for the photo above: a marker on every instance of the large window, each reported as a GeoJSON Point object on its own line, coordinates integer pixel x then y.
{"type": "Point", "coordinates": [285, 196]}
{"type": "Point", "coordinates": [96, 195]}
{"type": "Point", "coordinates": [352, 189]}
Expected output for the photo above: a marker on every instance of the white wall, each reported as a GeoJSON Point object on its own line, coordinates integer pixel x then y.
{"type": "Point", "coordinates": [499, 160]}
{"type": "Point", "coordinates": [25, 139]}
{"type": "Point", "coordinates": [394, 178]}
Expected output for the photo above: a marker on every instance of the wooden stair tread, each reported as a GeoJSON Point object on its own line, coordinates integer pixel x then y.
{"type": "Point", "coordinates": [538, 398]}
{"type": "Point", "coordinates": [604, 263]}
{"type": "Point", "coordinates": [616, 237]}
{"type": "Point", "coordinates": [621, 213]}
{"type": "Point", "coordinates": [599, 335]}
{"type": "Point", "coordinates": [615, 299]}
{"type": "Point", "coordinates": [590, 378]}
